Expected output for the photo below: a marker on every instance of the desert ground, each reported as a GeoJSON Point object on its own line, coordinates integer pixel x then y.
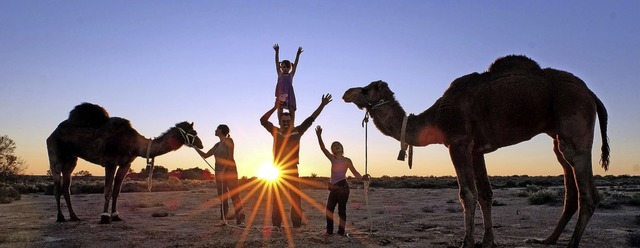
{"type": "Point", "coordinates": [392, 218]}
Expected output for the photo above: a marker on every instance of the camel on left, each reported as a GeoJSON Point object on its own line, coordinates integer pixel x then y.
{"type": "Point", "coordinates": [89, 133]}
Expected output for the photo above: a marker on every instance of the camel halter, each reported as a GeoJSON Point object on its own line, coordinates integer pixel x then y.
{"type": "Point", "coordinates": [189, 139]}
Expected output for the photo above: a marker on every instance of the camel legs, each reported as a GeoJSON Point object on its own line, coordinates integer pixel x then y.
{"type": "Point", "coordinates": [109, 171]}
{"type": "Point", "coordinates": [61, 173]}
{"type": "Point", "coordinates": [120, 174]}
{"type": "Point", "coordinates": [577, 153]}
{"type": "Point", "coordinates": [485, 198]}
{"type": "Point", "coordinates": [588, 194]}
{"type": "Point", "coordinates": [570, 198]}
{"type": "Point", "coordinates": [462, 161]}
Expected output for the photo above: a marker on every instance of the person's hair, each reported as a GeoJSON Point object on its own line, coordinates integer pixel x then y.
{"type": "Point", "coordinates": [224, 129]}
{"type": "Point", "coordinates": [286, 62]}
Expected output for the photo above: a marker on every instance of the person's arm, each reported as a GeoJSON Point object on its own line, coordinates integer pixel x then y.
{"type": "Point", "coordinates": [277, 49]}
{"type": "Point", "coordinates": [321, 143]}
{"type": "Point", "coordinates": [353, 169]}
{"type": "Point", "coordinates": [264, 120]}
{"type": "Point", "coordinates": [202, 154]}
{"type": "Point", "coordinates": [326, 99]}
{"type": "Point", "coordinates": [295, 64]}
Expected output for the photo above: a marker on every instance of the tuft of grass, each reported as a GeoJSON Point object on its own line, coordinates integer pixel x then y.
{"type": "Point", "coordinates": [544, 196]}
{"type": "Point", "coordinates": [428, 209]}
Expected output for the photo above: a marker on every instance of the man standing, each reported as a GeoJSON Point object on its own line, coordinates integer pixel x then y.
{"type": "Point", "coordinates": [286, 151]}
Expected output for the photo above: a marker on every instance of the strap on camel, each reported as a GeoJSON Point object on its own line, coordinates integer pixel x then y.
{"type": "Point", "coordinates": [403, 145]}
{"type": "Point", "coordinates": [149, 168]}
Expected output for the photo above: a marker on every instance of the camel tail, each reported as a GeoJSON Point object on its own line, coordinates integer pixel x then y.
{"type": "Point", "coordinates": [602, 119]}
{"type": "Point", "coordinates": [88, 115]}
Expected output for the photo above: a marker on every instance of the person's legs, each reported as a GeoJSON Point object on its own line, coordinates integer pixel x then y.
{"type": "Point", "coordinates": [223, 199]}
{"type": "Point", "coordinates": [296, 203]}
{"type": "Point", "coordinates": [276, 206]}
{"type": "Point", "coordinates": [231, 182]}
{"type": "Point", "coordinates": [343, 197]}
{"type": "Point", "coordinates": [331, 205]}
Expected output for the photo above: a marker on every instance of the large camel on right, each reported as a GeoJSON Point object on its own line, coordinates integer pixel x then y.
{"type": "Point", "coordinates": [512, 102]}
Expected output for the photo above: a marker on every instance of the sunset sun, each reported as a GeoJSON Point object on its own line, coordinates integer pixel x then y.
{"type": "Point", "coordinates": [268, 172]}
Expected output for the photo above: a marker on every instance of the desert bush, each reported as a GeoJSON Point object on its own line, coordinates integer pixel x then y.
{"type": "Point", "coordinates": [8, 194]}
{"type": "Point", "coordinates": [543, 196]}
{"type": "Point", "coordinates": [173, 180]}
{"type": "Point", "coordinates": [134, 186]}
{"type": "Point", "coordinates": [633, 239]}
{"type": "Point", "coordinates": [29, 188]}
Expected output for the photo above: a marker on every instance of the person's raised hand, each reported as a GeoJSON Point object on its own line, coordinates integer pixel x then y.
{"type": "Point", "coordinates": [326, 99]}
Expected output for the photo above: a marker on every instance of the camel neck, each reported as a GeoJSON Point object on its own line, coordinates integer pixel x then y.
{"type": "Point", "coordinates": [421, 129]}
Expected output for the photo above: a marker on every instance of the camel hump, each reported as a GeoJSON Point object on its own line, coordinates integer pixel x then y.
{"type": "Point", "coordinates": [514, 63]}
{"type": "Point", "coordinates": [88, 115]}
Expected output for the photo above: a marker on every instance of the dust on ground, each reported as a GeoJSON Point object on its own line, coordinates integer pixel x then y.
{"type": "Point", "coordinates": [391, 218]}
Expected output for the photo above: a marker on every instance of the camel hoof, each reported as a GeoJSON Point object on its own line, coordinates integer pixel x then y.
{"type": "Point", "coordinates": [74, 218]}
{"type": "Point", "coordinates": [105, 219]}
{"type": "Point", "coordinates": [116, 218]}
{"type": "Point", "coordinates": [61, 219]}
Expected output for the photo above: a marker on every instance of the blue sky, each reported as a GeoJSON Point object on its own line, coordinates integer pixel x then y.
{"type": "Point", "coordinates": [157, 63]}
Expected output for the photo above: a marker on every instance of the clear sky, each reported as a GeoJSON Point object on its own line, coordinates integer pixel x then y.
{"type": "Point", "coordinates": [157, 63]}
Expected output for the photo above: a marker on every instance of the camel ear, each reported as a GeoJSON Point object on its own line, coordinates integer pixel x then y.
{"type": "Point", "coordinates": [381, 85]}
{"type": "Point", "coordinates": [191, 124]}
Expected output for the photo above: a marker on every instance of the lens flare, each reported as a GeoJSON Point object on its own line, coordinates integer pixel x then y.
{"type": "Point", "coordinates": [269, 172]}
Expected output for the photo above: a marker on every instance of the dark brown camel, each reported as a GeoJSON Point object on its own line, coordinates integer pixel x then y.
{"type": "Point", "coordinates": [110, 142]}
{"type": "Point", "coordinates": [512, 102]}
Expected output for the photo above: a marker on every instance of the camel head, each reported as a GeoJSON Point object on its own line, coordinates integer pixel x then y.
{"type": "Point", "coordinates": [370, 96]}
{"type": "Point", "coordinates": [189, 135]}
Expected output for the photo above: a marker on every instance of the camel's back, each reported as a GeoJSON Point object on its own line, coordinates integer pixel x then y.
{"type": "Point", "coordinates": [88, 115]}
{"type": "Point", "coordinates": [511, 102]}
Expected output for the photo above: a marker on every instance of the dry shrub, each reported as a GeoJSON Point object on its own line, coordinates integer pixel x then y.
{"type": "Point", "coordinates": [544, 196]}
{"type": "Point", "coordinates": [174, 180]}
{"type": "Point", "coordinates": [8, 194]}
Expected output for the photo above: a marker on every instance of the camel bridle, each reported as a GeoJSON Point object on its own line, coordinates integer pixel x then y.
{"type": "Point", "coordinates": [370, 105]}
{"type": "Point", "coordinates": [189, 138]}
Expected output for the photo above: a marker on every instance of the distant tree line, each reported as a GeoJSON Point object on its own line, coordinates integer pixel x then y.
{"type": "Point", "coordinates": [160, 172]}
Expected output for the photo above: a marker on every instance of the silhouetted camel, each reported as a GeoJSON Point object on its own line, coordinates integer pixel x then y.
{"type": "Point", "coordinates": [512, 102]}
{"type": "Point", "coordinates": [89, 133]}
